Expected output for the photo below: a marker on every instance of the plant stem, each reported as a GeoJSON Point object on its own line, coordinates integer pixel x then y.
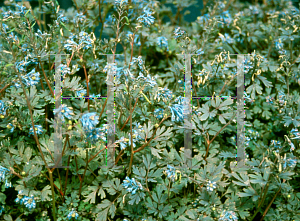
{"type": "Point", "coordinates": [87, 163]}
{"type": "Point", "coordinates": [53, 196]}
{"type": "Point", "coordinates": [132, 152]}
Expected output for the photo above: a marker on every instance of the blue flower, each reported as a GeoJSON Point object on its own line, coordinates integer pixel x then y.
{"type": "Point", "coordinates": [3, 173]}
{"type": "Point", "coordinates": [159, 113]}
{"type": "Point", "coordinates": [132, 186]}
{"type": "Point", "coordinates": [200, 51]}
{"type": "Point", "coordinates": [136, 41]}
{"type": "Point", "coordinates": [11, 127]}
{"type": "Point", "coordinates": [73, 214]}
{"type": "Point", "coordinates": [165, 94]}
{"type": "Point", "coordinates": [122, 141]}
{"type": "Point", "coordinates": [8, 184]}
{"type": "Point", "coordinates": [61, 19]}
{"type": "Point", "coordinates": [147, 80]}
{"type": "Point", "coordinates": [147, 17]}
{"type": "Point", "coordinates": [291, 162]}
{"type": "Point", "coordinates": [71, 44]}
{"type": "Point", "coordinates": [79, 18]}
{"type": "Point", "coordinates": [211, 186]}
{"type": "Point", "coordinates": [64, 70]}
{"type": "Point", "coordinates": [139, 61]}
{"type": "Point", "coordinates": [40, 34]}
{"type": "Point", "coordinates": [20, 198]}
{"type": "Point", "coordinates": [225, 18]}
{"type": "Point", "coordinates": [178, 33]}
{"type": "Point", "coordinates": [29, 202]}
{"type": "Point", "coordinates": [85, 40]}
{"type": "Point", "coordinates": [32, 78]}
{"type": "Point", "coordinates": [228, 216]}
{"type": "Point", "coordinates": [81, 93]}
{"type": "Point", "coordinates": [162, 42]}
{"type": "Point", "coordinates": [38, 129]}
{"type": "Point", "coordinates": [204, 19]}
{"type": "Point", "coordinates": [295, 133]}
{"type": "Point", "coordinates": [95, 134]}
{"type": "Point", "coordinates": [247, 65]}
{"type": "Point", "coordinates": [253, 9]}
{"type": "Point", "coordinates": [177, 112]}
{"type": "Point", "coordinates": [226, 38]}
{"type": "Point", "coordinates": [1, 210]}
{"type": "Point", "coordinates": [278, 44]}
{"type": "Point", "coordinates": [89, 121]}
{"type": "Point", "coordinates": [2, 109]}
{"type": "Point", "coordinates": [66, 112]}
{"type": "Point", "coordinates": [171, 173]}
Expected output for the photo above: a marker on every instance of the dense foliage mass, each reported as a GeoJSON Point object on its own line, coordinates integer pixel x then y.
{"type": "Point", "coordinates": [153, 178]}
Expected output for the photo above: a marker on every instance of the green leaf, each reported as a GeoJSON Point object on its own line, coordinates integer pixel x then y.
{"type": "Point", "coordinates": [45, 193]}
{"type": "Point", "coordinates": [265, 81]}
{"type": "Point", "coordinates": [286, 175]}
{"type": "Point", "coordinates": [91, 197]}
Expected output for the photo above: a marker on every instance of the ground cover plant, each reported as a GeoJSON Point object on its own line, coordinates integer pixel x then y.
{"type": "Point", "coordinates": [152, 178]}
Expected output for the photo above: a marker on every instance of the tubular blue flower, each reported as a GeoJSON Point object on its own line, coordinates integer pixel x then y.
{"type": "Point", "coordinates": [20, 198]}
{"type": "Point", "coordinates": [7, 184]}
{"type": "Point", "coordinates": [295, 133]}
{"type": "Point", "coordinates": [72, 214]}
{"type": "Point", "coordinates": [247, 65]}
{"type": "Point", "coordinates": [254, 9]}
{"type": "Point", "coordinates": [159, 113]}
{"type": "Point", "coordinates": [136, 41]}
{"type": "Point", "coordinates": [1, 210]}
{"type": "Point", "coordinates": [2, 109]}
{"type": "Point", "coordinates": [204, 19]}
{"type": "Point", "coordinates": [38, 130]}
{"type": "Point", "coordinates": [66, 112]}
{"type": "Point", "coordinates": [12, 38]}
{"type": "Point", "coordinates": [29, 202]}
{"type": "Point", "coordinates": [81, 93]}
{"type": "Point", "coordinates": [61, 19]}
{"type": "Point", "coordinates": [171, 172]}
{"type": "Point", "coordinates": [132, 186]}
{"type": "Point", "coordinates": [95, 134]}
{"type": "Point", "coordinates": [89, 121]}
{"type": "Point", "coordinates": [291, 162]}
{"type": "Point", "coordinates": [79, 18]}
{"type": "Point", "coordinates": [3, 173]}
{"type": "Point", "coordinates": [41, 35]}
{"type": "Point", "coordinates": [32, 78]}
{"type": "Point", "coordinates": [177, 112]}
{"type": "Point", "coordinates": [162, 42]}
{"type": "Point", "coordinates": [165, 94]}
{"type": "Point", "coordinates": [146, 18]}
{"type": "Point", "coordinates": [226, 38]}
{"type": "Point", "coordinates": [225, 18]}
{"type": "Point", "coordinates": [269, 99]}
{"type": "Point", "coordinates": [178, 33]}
{"type": "Point", "coordinates": [112, 67]}
{"type": "Point", "coordinates": [64, 70]}
{"type": "Point", "coordinates": [200, 51]}
{"type": "Point", "coordinates": [11, 127]}
{"type": "Point", "coordinates": [122, 141]}
{"type": "Point", "coordinates": [139, 61]}
{"type": "Point", "coordinates": [85, 40]}
{"type": "Point", "coordinates": [228, 216]}
{"type": "Point", "coordinates": [147, 80]}
{"type": "Point", "coordinates": [71, 44]}
{"type": "Point", "coordinates": [211, 186]}
{"type": "Point", "coordinates": [21, 9]}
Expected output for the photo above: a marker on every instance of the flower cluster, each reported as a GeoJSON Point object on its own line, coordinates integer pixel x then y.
{"type": "Point", "coordinates": [72, 214]}
{"type": "Point", "coordinates": [61, 19]}
{"type": "Point", "coordinates": [2, 109]}
{"type": "Point", "coordinates": [289, 162]}
{"type": "Point", "coordinates": [28, 60]}
{"type": "Point", "coordinates": [84, 42]}
{"type": "Point", "coordinates": [89, 122]}
{"type": "Point", "coordinates": [30, 79]}
{"type": "Point", "coordinates": [159, 113]}
{"type": "Point", "coordinates": [165, 94]}
{"type": "Point", "coordinates": [20, 12]}
{"type": "Point", "coordinates": [247, 65]}
{"type": "Point", "coordinates": [177, 110]}
{"type": "Point", "coordinates": [38, 130]}
{"type": "Point", "coordinates": [211, 186]}
{"type": "Point", "coordinates": [66, 112]}
{"type": "Point", "coordinates": [225, 18]}
{"type": "Point", "coordinates": [3, 176]}
{"type": "Point", "coordinates": [81, 93]}
{"type": "Point", "coordinates": [29, 202]}
{"type": "Point", "coordinates": [64, 70]}
{"type": "Point", "coordinates": [281, 98]}
{"type": "Point", "coordinates": [228, 216]}
{"type": "Point", "coordinates": [276, 144]}
{"type": "Point", "coordinates": [295, 133]}
{"type": "Point", "coordinates": [179, 33]}
{"type": "Point", "coordinates": [162, 42]}
{"type": "Point", "coordinates": [146, 18]}
{"type": "Point", "coordinates": [171, 173]}
{"type": "Point", "coordinates": [131, 185]}
{"type": "Point", "coordinates": [139, 61]}
{"type": "Point", "coordinates": [151, 81]}
{"type": "Point", "coordinates": [269, 99]}
{"type": "Point", "coordinates": [136, 41]}
{"type": "Point", "coordinates": [122, 141]}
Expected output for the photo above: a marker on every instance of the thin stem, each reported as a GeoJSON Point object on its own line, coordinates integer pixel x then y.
{"type": "Point", "coordinates": [132, 152]}
{"type": "Point", "coordinates": [268, 207]}
{"type": "Point", "coordinates": [130, 113]}
{"type": "Point", "coordinates": [131, 55]}
{"type": "Point", "coordinates": [210, 141]}
{"type": "Point", "coordinates": [53, 196]}
{"type": "Point", "coordinates": [87, 163]}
